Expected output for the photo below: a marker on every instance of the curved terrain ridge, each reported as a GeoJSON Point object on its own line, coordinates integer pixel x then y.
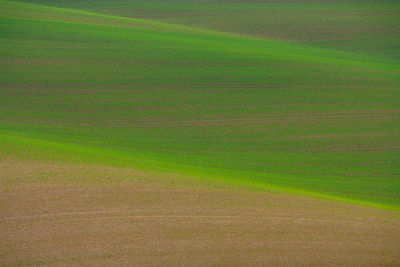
{"type": "Point", "coordinates": [130, 140]}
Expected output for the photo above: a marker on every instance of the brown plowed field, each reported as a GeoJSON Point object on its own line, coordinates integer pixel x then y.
{"type": "Point", "coordinates": [63, 214]}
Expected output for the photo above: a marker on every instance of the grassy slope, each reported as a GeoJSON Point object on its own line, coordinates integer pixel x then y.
{"type": "Point", "coordinates": [369, 26]}
{"type": "Point", "coordinates": [263, 111]}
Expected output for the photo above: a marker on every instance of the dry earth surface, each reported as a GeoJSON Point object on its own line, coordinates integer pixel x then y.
{"type": "Point", "coordinates": [63, 214]}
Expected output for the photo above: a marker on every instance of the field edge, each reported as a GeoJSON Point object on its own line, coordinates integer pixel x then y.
{"type": "Point", "coordinates": [37, 148]}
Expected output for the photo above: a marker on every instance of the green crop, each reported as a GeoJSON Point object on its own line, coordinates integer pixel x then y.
{"type": "Point", "coordinates": [283, 114]}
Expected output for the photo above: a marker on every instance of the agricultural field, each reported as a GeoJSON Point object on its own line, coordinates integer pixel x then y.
{"type": "Point", "coordinates": [367, 26]}
{"type": "Point", "coordinates": [199, 132]}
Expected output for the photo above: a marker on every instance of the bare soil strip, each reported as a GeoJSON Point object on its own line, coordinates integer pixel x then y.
{"type": "Point", "coordinates": [63, 214]}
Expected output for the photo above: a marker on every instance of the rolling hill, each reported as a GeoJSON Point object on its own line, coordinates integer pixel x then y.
{"type": "Point", "coordinates": [279, 106]}
{"type": "Point", "coordinates": [265, 111]}
{"type": "Point", "coordinates": [367, 26]}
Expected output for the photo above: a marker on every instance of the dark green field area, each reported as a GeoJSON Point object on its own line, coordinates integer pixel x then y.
{"type": "Point", "coordinates": [368, 26]}
{"type": "Point", "coordinates": [268, 111]}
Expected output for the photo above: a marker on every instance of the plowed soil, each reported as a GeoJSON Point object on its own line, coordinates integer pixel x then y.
{"type": "Point", "coordinates": [63, 214]}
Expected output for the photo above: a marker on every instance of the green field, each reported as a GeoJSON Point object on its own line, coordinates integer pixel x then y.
{"type": "Point", "coordinates": [301, 96]}
{"type": "Point", "coordinates": [367, 26]}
